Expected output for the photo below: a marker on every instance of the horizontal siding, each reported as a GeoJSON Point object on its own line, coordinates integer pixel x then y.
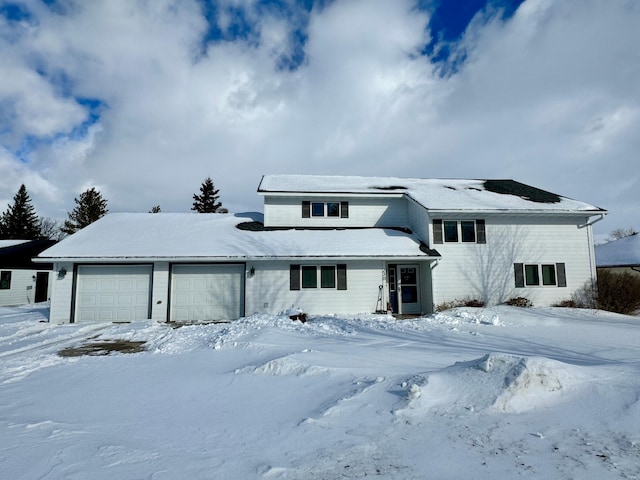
{"type": "Point", "coordinates": [418, 220]}
{"type": "Point", "coordinates": [61, 295]}
{"type": "Point", "coordinates": [160, 292]}
{"type": "Point", "coordinates": [268, 290]}
{"type": "Point", "coordinates": [363, 212]}
{"type": "Point", "coordinates": [23, 287]}
{"type": "Point", "coordinates": [486, 272]}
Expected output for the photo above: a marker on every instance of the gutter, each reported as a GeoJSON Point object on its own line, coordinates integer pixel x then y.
{"type": "Point", "coordinates": [588, 223]}
{"type": "Point", "coordinates": [105, 260]}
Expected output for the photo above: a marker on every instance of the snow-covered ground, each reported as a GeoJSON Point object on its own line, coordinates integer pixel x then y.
{"type": "Point", "coordinates": [496, 393]}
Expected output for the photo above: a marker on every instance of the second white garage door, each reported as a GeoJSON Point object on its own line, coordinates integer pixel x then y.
{"type": "Point", "coordinates": [207, 292]}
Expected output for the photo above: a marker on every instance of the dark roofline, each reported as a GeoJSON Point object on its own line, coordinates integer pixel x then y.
{"type": "Point", "coordinates": [19, 257]}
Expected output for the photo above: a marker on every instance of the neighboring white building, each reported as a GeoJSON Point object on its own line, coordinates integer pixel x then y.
{"type": "Point", "coordinates": [330, 244]}
{"type": "Point", "coordinates": [21, 281]}
{"type": "Point", "coordinates": [620, 256]}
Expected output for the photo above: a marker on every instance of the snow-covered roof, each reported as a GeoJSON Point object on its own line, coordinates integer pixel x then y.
{"type": "Point", "coordinates": [216, 236]}
{"type": "Point", "coordinates": [11, 243]}
{"type": "Point", "coordinates": [433, 194]}
{"type": "Point", "coordinates": [619, 253]}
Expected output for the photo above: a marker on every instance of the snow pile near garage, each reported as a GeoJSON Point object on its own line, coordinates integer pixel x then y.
{"type": "Point", "coordinates": [336, 397]}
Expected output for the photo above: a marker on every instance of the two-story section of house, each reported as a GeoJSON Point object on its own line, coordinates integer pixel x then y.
{"type": "Point", "coordinates": [329, 244]}
{"type": "Point", "coordinates": [489, 240]}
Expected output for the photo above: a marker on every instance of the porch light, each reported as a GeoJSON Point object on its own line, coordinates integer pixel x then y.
{"type": "Point", "coordinates": [62, 273]}
{"type": "Point", "coordinates": [252, 272]}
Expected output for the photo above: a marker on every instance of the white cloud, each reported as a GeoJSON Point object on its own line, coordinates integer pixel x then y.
{"type": "Point", "coordinates": [549, 97]}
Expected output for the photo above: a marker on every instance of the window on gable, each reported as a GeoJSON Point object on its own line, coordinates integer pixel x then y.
{"type": "Point", "coordinates": [5, 280]}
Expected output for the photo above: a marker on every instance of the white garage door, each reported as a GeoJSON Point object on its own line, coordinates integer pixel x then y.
{"type": "Point", "coordinates": [207, 292]}
{"type": "Point", "coordinates": [114, 293]}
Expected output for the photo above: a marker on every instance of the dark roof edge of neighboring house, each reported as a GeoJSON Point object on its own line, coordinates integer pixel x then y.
{"type": "Point", "coordinates": [20, 256]}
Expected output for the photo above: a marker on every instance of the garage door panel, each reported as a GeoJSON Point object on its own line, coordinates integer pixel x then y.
{"type": "Point", "coordinates": [207, 292]}
{"type": "Point", "coordinates": [109, 293]}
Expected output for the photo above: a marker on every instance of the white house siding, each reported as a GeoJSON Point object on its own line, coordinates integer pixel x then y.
{"type": "Point", "coordinates": [363, 212]}
{"type": "Point", "coordinates": [267, 291]}
{"type": "Point", "coordinates": [160, 292]}
{"type": "Point", "coordinates": [62, 293]}
{"type": "Point", "coordinates": [486, 271]}
{"type": "Point", "coordinates": [418, 220]}
{"type": "Point", "coordinates": [23, 287]}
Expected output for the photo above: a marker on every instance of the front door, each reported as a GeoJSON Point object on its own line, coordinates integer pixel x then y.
{"type": "Point", "coordinates": [42, 287]}
{"type": "Point", "coordinates": [408, 289]}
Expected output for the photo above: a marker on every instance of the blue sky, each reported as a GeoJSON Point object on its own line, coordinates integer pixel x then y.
{"type": "Point", "coordinates": [143, 100]}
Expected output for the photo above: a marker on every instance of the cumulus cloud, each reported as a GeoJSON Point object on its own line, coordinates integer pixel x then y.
{"type": "Point", "coordinates": [548, 96]}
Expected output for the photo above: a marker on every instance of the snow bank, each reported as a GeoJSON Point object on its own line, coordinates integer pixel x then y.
{"type": "Point", "coordinates": [497, 382]}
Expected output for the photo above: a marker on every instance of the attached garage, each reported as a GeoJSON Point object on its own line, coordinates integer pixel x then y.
{"type": "Point", "coordinates": [113, 293]}
{"type": "Point", "coordinates": [201, 292]}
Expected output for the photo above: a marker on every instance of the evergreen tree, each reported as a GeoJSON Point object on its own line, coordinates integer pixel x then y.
{"type": "Point", "coordinates": [89, 208]}
{"type": "Point", "coordinates": [207, 201]}
{"type": "Point", "coordinates": [155, 209]}
{"type": "Point", "coordinates": [20, 221]}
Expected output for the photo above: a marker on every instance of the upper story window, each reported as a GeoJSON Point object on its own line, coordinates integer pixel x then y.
{"type": "Point", "coordinates": [325, 209]}
{"type": "Point", "coordinates": [453, 231]}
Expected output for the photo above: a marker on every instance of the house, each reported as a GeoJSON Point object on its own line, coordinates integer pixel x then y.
{"type": "Point", "coordinates": [21, 280]}
{"type": "Point", "coordinates": [330, 244]}
{"type": "Point", "coordinates": [620, 256]}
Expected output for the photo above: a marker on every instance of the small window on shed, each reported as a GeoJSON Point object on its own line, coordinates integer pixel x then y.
{"type": "Point", "coordinates": [5, 280]}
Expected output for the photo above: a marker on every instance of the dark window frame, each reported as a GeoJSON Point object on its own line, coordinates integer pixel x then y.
{"type": "Point", "coordinates": [296, 276]}
{"type": "Point", "coordinates": [522, 279]}
{"type": "Point", "coordinates": [468, 231]}
{"type": "Point", "coordinates": [5, 280]}
{"type": "Point", "coordinates": [459, 231]}
{"type": "Point", "coordinates": [315, 209]}
{"type": "Point", "coordinates": [329, 280]}
{"type": "Point", "coordinates": [545, 268]}
{"type": "Point", "coordinates": [306, 278]}
{"type": "Point", "coordinates": [450, 230]}
{"type": "Point", "coordinates": [332, 208]}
